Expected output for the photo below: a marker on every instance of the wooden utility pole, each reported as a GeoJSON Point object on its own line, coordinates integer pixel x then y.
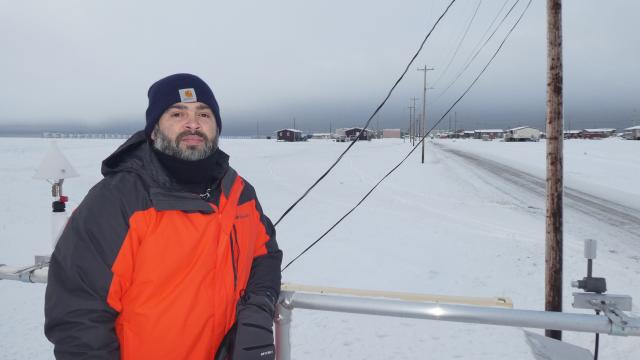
{"type": "Point", "coordinates": [424, 108]}
{"type": "Point", "coordinates": [553, 253]}
{"type": "Point", "coordinates": [414, 133]}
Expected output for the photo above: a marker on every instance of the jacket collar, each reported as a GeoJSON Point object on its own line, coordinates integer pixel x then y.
{"type": "Point", "coordinates": [136, 156]}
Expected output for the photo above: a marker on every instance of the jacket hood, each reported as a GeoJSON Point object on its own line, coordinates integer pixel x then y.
{"type": "Point", "coordinates": [136, 156]}
{"type": "Point", "coordinates": [130, 156]}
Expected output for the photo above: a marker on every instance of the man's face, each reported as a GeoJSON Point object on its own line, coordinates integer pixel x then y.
{"type": "Point", "coordinates": [187, 131]}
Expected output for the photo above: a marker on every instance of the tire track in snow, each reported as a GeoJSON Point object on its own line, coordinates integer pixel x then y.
{"type": "Point", "coordinates": [604, 210]}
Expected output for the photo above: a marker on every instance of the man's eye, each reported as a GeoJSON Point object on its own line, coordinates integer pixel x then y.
{"type": "Point", "coordinates": [205, 115]}
{"type": "Point", "coordinates": [176, 114]}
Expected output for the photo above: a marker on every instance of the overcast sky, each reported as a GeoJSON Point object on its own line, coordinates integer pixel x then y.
{"type": "Point", "coordinates": [323, 62]}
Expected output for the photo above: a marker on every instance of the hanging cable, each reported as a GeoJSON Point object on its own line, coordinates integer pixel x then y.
{"type": "Point", "coordinates": [477, 52]}
{"type": "Point", "coordinates": [417, 144]}
{"type": "Point", "coordinates": [480, 40]}
{"type": "Point", "coordinates": [464, 35]}
{"type": "Point", "coordinates": [366, 125]}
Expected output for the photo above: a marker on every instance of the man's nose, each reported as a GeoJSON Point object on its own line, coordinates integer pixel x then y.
{"type": "Point", "coordinates": [192, 121]}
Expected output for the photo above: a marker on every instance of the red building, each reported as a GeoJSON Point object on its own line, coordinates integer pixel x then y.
{"type": "Point", "coordinates": [290, 135]}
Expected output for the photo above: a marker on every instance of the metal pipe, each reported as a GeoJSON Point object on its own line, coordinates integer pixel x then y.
{"type": "Point", "coordinates": [283, 327]}
{"type": "Point", "coordinates": [29, 274]}
{"type": "Point", "coordinates": [460, 313]}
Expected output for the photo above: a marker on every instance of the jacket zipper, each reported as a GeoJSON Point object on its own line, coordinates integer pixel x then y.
{"type": "Point", "coordinates": [233, 235]}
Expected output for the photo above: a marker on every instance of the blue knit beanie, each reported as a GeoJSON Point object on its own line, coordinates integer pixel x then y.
{"type": "Point", "coordinates": [174, 89]}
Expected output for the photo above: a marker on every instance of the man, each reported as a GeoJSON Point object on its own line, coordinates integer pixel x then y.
{"type": "Point", "coordinates": [168, 251]}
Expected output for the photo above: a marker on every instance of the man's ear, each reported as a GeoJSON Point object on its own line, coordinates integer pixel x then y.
{"type": "Point", "coordinates": [153, 133]}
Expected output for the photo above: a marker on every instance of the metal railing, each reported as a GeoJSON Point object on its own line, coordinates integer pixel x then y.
{"type": "Point", "coordinates": [474, 310]}
{"type": "Point", "coordinates": [31, 274]}
{"type": "Point", "coordinates": [355, 303]}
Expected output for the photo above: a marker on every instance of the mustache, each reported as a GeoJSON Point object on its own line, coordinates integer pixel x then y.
{"type": "Point", "coordinates": [187, 133]}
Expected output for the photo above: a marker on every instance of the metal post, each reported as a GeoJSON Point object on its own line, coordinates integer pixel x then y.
{"type": "Point", "coordinates": [283, 326]}
{"type": "Point", "coordinates": [553, 253]}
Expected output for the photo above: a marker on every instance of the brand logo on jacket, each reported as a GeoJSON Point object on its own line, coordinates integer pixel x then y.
{"type": "Point", "coordinates": [188, 95]}
{"type": "Point", "coordinates": [265, 353]}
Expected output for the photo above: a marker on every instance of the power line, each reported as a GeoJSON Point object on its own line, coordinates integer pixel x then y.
{"type": "Point", "coordinates": [366, 125]}
{"type": "Point", "coordinates": [417, 145]}
{"type": "Point", "coordinates": [464, 35]}
{"type": "Point", "coordinates": [486, 32]}
{"type": "Point", "coordinates": [478, 52]}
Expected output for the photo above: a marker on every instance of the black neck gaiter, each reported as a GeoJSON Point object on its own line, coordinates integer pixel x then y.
{"type": "Point", "coordinates": [195, 176]}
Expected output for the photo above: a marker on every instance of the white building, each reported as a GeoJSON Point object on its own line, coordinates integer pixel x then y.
{"type": "Point", "coordinates": [632, 133]}
{"type": "Point", "coordinates": [522, 133]}
{"type": "Point", "coordinates": [321, 136]}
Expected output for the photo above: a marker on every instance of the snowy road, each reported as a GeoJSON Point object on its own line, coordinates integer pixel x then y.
{"type": "Point", "coordinates": [622, 217]}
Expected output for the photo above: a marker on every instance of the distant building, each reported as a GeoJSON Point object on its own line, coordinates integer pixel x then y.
{"type": "Point", "coordinates": [597, 133]}
{"type": "Point", "coordinates": [522, 133]}
{"type": "Point", "coordinates": [488, 134]}
{"type": "Point", "coordinates": [290, 135]}
{"type": "Point", "coordinates": [352, 133]}
{"type": "Point", "coordinates": [340, 132]}
{"type": "Point", "coordinates": [445, 135]}
{"type": "Point", "coordinates": [60, 135]}
{"type": "Point", "coordinates": [321, 136]}
{"type": "Point", "coordinates": [632, 133]}
{"type": "Point", "coordinates": [572, 134]}
{"type": "Point", "coordinates": [391, 133]}
{"type": "Point", "coordinates": [468, 134]}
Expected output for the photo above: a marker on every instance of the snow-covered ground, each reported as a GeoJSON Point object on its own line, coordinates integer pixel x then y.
{"type": "Point", "coordinates": [452, 226]}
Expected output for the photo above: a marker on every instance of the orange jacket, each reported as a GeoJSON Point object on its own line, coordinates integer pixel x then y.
{"type": "Point", "coordinates": [146, 271]}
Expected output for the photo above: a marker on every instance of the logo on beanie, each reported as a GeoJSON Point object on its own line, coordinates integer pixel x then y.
{"type": "Point", "coordinates": [187, 95]}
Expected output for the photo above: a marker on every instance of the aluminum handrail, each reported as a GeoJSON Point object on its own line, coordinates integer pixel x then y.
{"type": "Point", "coordinates": [29, 274]}
{"type": "Point", "coordinates": [439, 311]}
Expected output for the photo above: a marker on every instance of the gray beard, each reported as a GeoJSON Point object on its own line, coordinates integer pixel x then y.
{"type": "Point", "coordinates": [164, 144]}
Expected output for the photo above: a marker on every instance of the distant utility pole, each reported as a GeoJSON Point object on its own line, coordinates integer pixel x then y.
{"type": "Point", "coordinates": [294, 123]}
{"type": "Point", "coordinates": [258, 129]}
{"type": "Point", "coordinates": [414, 133]}
{"type": "Point", "coordinates": [553, 253]}
{"type": "Point", "coordinates": [455, 121]}
{"type": "Point", "coordinates": [410, 127]}
{"type": "Point", "coordinates": [424, 107]}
